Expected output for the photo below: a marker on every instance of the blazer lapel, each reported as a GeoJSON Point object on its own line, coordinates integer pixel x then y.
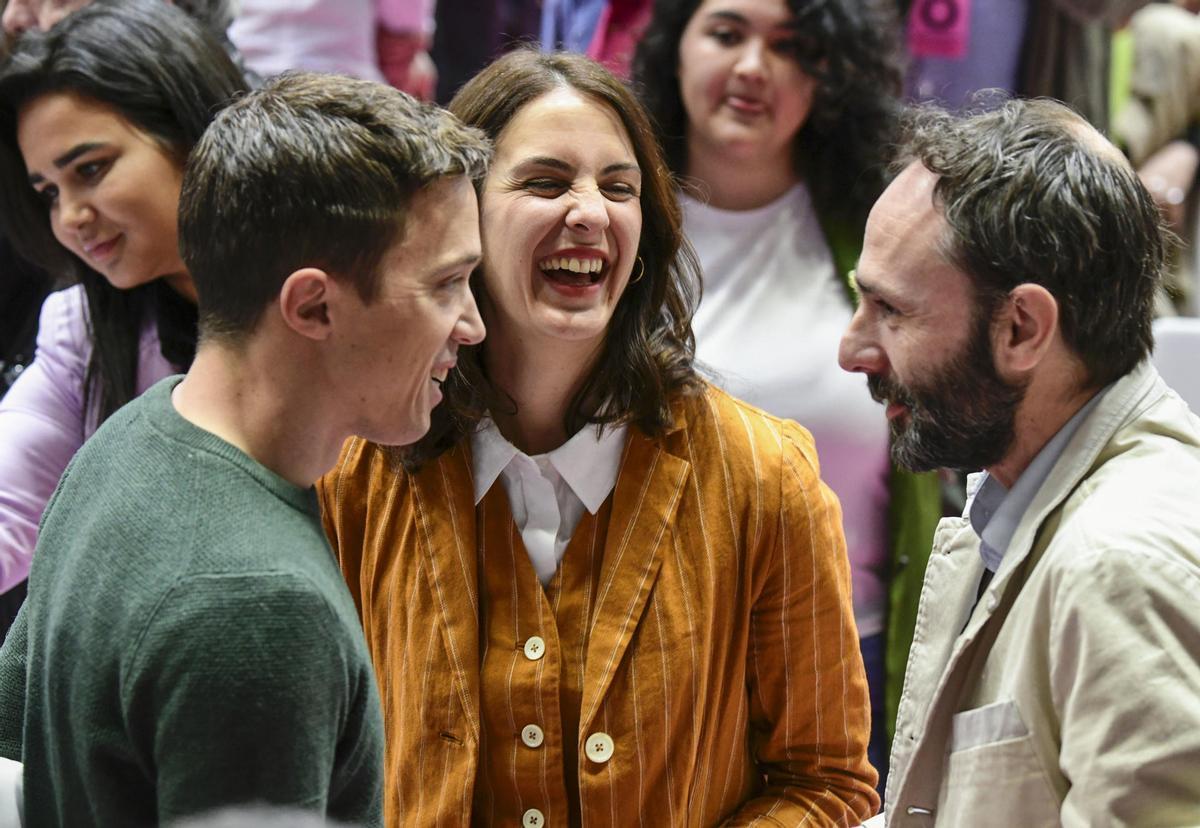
{"type": "Point", "coordinates": [445, 525]}
{"type": "Point", "coordinates": [646, 497]}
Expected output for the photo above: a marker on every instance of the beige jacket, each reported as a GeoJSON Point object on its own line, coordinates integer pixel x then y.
{"type": "Point", "coordinates": [1070, 694]}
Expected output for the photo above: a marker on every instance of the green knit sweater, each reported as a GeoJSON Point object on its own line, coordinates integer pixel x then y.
{"type": "Point", "coordinates": [188, 641]}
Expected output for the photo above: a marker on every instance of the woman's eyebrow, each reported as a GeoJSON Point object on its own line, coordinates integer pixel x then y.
{"type": "Point", "coordinates": [67, 157]}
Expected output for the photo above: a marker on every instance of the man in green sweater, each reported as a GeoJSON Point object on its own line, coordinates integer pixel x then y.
{"type": "Point", "coordinates": [188, 642]}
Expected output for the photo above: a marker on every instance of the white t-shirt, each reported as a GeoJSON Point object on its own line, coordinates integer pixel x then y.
{"type": "Point", "coordinates": [768, 328]}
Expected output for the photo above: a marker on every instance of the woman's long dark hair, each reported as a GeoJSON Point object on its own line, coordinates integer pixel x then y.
{"type": "Point", "coordinates": [648, 348]}
{"type": "Point", "coordinates": [165, 75]}
{"type": "Point", "coordinates": [850, 47]}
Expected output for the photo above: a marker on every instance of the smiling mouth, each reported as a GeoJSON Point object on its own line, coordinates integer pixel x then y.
{"type": "Point", "coordinates": [573, 271]}
{"type": "Point", "coordinates": [99, 252]}
{"type": "Point", "coordinates": [745, 106]}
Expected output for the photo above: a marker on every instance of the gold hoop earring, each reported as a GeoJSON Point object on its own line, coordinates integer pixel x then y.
{"type": "Point", "coordinates": [641, 273]}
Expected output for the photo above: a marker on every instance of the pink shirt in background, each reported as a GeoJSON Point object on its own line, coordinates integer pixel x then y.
{"type": "Point", "coordinates": [43, 422]}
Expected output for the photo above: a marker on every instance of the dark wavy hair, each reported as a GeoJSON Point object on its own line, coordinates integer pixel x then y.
{"type": "Point", "coordinates": [648, 350]}
{"type": "Point", "coordinates": [1032, 193]}
{"type": "Point", "coordinates": [850, 47]}
{"type": "Point", "coordinates": [165, 75]}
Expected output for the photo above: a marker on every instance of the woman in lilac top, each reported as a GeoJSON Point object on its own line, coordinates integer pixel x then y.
{"type": "Point", "coordinates": [97, 116]}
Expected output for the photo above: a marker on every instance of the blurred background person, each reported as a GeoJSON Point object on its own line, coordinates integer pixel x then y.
{"type": "Point", "coordinates": [1052, 48]}
{"type": "Point", "coordinates": [379, 40]}
{"type": "Point", "coordinates": [111, 131]}
{"type": "Point", "coordinates": [779, 116]}
{"type": "Point", "coordinates": [24, 285]}
{"type": "Point", "coordinates": [1157, 123]}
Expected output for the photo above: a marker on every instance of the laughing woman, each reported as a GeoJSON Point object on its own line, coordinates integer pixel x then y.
{"type": "Point", "coordinates": [96, 118]}
{"type": "Point", "coordinates": [600, 591]}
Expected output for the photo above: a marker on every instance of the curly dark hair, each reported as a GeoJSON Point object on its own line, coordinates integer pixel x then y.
{"type": "Point", "coordinates": [1032, 193]}
{"type": "Point", "coordinates": [850, 47]}
{"type": "Point", "coordinates": [648, 350]}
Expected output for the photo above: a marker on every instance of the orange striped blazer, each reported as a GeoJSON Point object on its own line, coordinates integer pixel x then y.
{"type": "Point", "coordinates": [720, 655]}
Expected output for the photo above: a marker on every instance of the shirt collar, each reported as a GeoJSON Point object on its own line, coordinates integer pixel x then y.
{"type": "Point", "coordinates": [995, 511]}
{"type": "Point", "coordinates": [490, 455]}
{"type": "Point", "coordinates": [588, 462]}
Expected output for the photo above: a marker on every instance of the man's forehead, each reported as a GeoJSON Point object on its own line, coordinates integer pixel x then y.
{"type": "Point", "coordinates": [905, 225]}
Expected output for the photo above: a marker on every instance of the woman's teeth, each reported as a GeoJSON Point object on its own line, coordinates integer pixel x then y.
{"type": "Point", "coordinates": [572, 264]}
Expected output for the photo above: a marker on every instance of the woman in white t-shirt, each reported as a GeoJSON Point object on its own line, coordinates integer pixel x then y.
{"type": "Point", "coordinates": [777, 114]}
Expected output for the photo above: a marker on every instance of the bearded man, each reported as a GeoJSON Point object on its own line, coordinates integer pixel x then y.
{"type": "Point", "coordinates": [1007, 283]}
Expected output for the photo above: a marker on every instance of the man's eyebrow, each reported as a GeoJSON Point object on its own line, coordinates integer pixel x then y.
{"type": "Point", "coordinates": [67, 157]}
{"type": "Point", "coordinates": [464, 262]}
{"type": "Point", "coordinates": [868, 288]}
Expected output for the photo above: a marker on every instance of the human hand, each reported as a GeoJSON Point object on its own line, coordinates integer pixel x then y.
{"type": "Point", "coordinates": [1168, 175]}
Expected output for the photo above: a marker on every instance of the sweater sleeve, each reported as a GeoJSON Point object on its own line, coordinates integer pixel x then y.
{"type": "Point", "coordinates": [13, 673]}
{"type": "Point", "coordinates": [809, 707]}
{"type": "Point", "coordinates": [244, 688]}
{"type": "Point", "coordinates": [41, 428]}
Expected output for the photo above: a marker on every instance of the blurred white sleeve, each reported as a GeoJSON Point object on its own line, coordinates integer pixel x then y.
{"type": "Point", "coordinates": [11, 774]}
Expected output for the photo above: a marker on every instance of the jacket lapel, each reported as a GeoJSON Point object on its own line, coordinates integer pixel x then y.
{"type": "Point", "coordinates": [447, 547]}
{"type": "Point", "coordinates": [645, 500]}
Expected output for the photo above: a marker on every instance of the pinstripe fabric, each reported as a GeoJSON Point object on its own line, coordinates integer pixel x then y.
{"type": "Point", "coordinates": [546, 692]}
{"type": "Point", "coordinates": [717, 650]}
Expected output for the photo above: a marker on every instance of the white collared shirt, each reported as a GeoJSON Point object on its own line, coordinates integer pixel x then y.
{"type": "Point", "coordinates": [547, 493]}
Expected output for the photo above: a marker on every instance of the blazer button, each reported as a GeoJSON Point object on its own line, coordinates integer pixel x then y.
{"type": "Point", "coordinates": [533, 819]}
{"type": "Point", "coordinates": [599, 748]}
{"type": "Point", "coordinates": [532, 736]}
{"type": "Point", "coordinates": [535, 648]}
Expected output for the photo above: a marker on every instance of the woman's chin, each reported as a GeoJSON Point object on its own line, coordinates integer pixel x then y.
{"type": "Point", "coordinates": [577, 326]}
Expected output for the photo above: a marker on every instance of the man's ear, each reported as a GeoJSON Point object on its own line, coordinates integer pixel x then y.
{"type": "Point", "coordinates": [1025, 329]}
{"type": "Point", "coordinates": [304, 302]}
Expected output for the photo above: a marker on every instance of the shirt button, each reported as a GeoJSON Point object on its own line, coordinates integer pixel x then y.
{"type": "Point", "coordinates": [535, 648]}
{"type": "Point", "coordinates": [599, 747]}
{"type": "Point", "coordinates": [992, 603]}
{"type": "Point", "coordinates": [532, 736]}
{"type": "Point", "coordinates": [533, 819]}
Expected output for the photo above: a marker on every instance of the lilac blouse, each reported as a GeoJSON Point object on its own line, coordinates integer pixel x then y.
{"type": "Point", "coordinates": [43, 422]}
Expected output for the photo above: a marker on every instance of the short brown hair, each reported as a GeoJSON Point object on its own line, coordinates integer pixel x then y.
{"type": "Point", "coordinates": [309, 171]}
{"type": "Point", "coordinates": [649, 347]}
{"type": "Point", "coordinates": [1029, 196]}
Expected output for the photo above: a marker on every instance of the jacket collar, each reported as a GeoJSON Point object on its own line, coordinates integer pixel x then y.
{"type": "Point", "coordinates": [1081, 456]}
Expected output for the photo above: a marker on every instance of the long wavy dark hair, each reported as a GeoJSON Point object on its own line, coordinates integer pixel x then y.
{"type": "Point", "coordinates": [165, 75]}
{"type": "Point", "coordinates": [850, 47]}
{"type": "Point", "coordinates": [648, 350]}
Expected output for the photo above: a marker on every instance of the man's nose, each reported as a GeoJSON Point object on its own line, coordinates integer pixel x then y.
{"type": "Point", "coordinates": [858, 351]}
{"type": "Point", "coordinates": [470, 329]}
